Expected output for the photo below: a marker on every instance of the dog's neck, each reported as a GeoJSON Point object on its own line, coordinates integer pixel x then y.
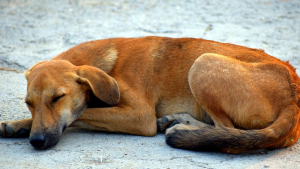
{"type": "Point", "coordinates": [85, 55]}
{"type": "Point", "coordinates": [108, 60]}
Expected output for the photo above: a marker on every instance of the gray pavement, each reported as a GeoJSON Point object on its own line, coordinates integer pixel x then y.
{"type": "Point", "coordinates": [36, 30]}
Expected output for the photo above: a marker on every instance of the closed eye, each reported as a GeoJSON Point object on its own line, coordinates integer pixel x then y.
{"type": "Point", "coordinates": [57, 98]}
{"type": "Point", "coordinates": [28, 103]}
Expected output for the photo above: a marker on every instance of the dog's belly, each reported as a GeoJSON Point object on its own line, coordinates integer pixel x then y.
{"type": "Point", "coordinates": [182, 105]}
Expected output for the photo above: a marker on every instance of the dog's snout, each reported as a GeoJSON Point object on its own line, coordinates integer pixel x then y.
{"type": "Point", "coordinates": [38, 141]}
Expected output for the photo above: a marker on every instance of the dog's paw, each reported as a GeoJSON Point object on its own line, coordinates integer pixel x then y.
{"type": "Point", "coordinates": [171, 120]}
{"type": "Point", "coordinates": [8, 129]}
{"type": "Point", "coordinates": [165, 122]}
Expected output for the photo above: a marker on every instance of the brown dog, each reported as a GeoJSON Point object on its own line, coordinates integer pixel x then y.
{"type": "Point", "coordinates": [124, 85]}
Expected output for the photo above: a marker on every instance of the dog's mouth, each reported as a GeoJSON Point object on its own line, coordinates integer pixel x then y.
{"type": "Point", "coordinates": [45, 140]}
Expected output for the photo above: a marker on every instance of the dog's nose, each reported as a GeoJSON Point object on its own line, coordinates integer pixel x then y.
{"type": "Point", "coordinates": [38, 141]}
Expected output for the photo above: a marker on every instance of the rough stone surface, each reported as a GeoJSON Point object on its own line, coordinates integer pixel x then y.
{"type": "Point", "coordinates": [36, 30]}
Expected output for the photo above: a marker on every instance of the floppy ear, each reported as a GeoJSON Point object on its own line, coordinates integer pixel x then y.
{"type": "Point", "coordinates": [103, 86]}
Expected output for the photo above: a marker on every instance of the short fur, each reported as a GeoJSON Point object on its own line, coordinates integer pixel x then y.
{"type": "Point", "coordinates": [246, 98]}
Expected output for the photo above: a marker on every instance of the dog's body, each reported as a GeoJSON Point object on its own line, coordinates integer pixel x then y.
{"type": "Point", "coordinates": [124, 85]}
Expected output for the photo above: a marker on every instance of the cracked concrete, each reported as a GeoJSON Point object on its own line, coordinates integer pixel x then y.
{"type": "Point", "coordinates": [36, 30]}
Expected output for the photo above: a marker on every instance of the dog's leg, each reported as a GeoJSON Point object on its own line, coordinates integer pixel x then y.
{"type": "Point", "coordinates": [184, 118]}
{"type": "Point", "coordinates": [20, 128]}
{"type": "Point", "coordinates": [208, 75]}
{"type": "Point", "coordinates": [139, 121]}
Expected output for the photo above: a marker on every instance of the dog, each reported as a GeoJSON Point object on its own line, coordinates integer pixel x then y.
{"type": "Point", "coordinates": [206, 95]}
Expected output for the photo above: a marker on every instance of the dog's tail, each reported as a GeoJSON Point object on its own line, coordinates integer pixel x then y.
{"type": "Point", "coordinates": [235, 141]}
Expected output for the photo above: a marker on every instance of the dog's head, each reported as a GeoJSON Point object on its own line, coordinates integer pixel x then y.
{"type": "Point", "coordinates": [58, 92]}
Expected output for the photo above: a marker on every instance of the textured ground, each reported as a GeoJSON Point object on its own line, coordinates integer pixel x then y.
{"type": "Point", "coordinates": [35, 30]}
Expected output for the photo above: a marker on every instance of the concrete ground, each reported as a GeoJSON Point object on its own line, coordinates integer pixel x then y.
{"type": "Point", "coordinates": [36, 30]}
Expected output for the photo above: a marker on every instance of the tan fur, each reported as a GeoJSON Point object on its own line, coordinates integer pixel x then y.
{"type": "Point", "coordinates": [125, 84]}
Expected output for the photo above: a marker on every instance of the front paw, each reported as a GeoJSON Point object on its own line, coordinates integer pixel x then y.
{"type": "Point", "coordinates": [6, 130]}
{"type": "Point", "coordinates": [9, 129]}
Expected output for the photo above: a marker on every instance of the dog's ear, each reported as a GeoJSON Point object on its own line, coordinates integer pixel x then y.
{"type": "Point", "coordinates": [32, 67]}
{"type": "Point", "coordinates": [103, 86]}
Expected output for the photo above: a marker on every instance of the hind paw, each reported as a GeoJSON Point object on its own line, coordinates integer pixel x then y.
{"type": "Point", "coordinates": [164, 123]}
{"type": "Point", "coordinates": [171, 120]}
